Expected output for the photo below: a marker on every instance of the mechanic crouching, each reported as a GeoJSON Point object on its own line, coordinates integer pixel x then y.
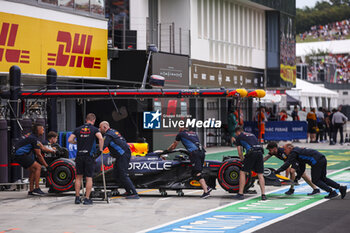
{"type": "Point", "coordinates": [274, 150]}
{"type": "Point", "coordinates": [25, 149]}
{"type": "Point", "coordinates": [120, 150]}
{"type": "Point", "coordinates": [318, 163]}
{"type": "Point", "coordinates": [197, 155]}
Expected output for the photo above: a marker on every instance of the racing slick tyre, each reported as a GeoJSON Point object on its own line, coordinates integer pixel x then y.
{"type": "Point", "coordinates": [63, 174]}
{"type": "Point", "coordinates": [228, 176]}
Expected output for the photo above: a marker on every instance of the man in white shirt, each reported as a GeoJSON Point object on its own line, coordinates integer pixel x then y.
{"type": "Point", "coordinates": [338, 120]}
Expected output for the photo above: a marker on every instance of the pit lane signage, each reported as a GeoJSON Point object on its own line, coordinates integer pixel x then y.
{"type": "Point", "coordinates": [35, 45]}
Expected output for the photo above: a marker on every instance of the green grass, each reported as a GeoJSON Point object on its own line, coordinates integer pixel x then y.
{"type": "Point", "coordinates": [311, 39]}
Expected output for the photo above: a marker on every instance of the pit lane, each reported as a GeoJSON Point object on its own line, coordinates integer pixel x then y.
{"type": "Point", "coordinates": [57, 213]}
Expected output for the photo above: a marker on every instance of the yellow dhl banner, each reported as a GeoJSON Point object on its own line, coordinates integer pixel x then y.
{"type": "Point", "coordinates": [35, 45]}
{"type": "Point", "coordinates": [289, 73]}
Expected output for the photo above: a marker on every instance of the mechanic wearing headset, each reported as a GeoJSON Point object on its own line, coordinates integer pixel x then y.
{"type": "Point", "coordinates": [120, 150]}
{"type": "Point", "coordinates": [86, 136]}
{"type": "Point", "coordinates": [24, 150]}
{"type": "Point", "coordinates": [197, 155]}
{"type": "Point", "coordinates": [274, 150]}
{"type": "Point", "coordinates": [318, 163]}
{"type": "Point", "coordinates": [253, 160]}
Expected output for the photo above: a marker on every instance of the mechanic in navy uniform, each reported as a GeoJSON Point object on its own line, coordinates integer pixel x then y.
{"type": "Point", "coordinates": [253, 160]}
{"type": "Point", "coordinates": [85, 136]}
{"type": "Point", "coordinates": [274, 150]}
{"type": "Point", "coordinates": [120, 150]}
{"type": "Point", "coordinates": [318, 163]}
{"type": "Point", "coordinates": [25, 149]}
{"type": "Point", "coordinates": [197, 155]}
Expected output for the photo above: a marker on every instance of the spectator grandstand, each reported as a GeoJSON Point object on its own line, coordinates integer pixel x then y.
{"type": "Point", "coordinates": [332, 31]}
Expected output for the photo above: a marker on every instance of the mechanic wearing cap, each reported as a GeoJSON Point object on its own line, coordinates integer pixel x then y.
{"type": "Point", "coordinates": [197, 155]}
{"type": "Point", "coordinates": [120, 150]}
{"type": "Point", "coordinates": [25, 149]}
{"type": "Point", "coordinates": [318, 163]}
{"type": "Point", "coordinates": [274, 150]}
{"type": "Point", "coordinates": [253, 160]}
{"type": "Point", "coordinates": [86, 136]}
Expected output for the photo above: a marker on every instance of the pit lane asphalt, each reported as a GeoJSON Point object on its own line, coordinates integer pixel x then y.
{"type": "Point", "coordinates": [57, 213]}
{"type": "Point", "coordinates": [332, 216]}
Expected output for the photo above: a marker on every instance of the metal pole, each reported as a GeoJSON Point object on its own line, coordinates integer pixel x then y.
{"type": "Point", "coordinates": [15, 133]}
{"type": "Point", "coordinates": [51, 108]}
{"type": "Point", "coordinates": [173, 31]}
{"type": "Point", "coordinates": [146, 71]}
{"type": "Point", "coordinates": [180, 40]}
{"type": "Point", "coordinates": [124, 31]}
{"type": "Point", "coordinates": [160, 37]}
{"type": "Point", "coordinates": [170, 38]}
{"type": "Point", "coordinates": [113, 31]}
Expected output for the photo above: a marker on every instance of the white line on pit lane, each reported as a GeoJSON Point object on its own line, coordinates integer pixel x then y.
{"type": "Point", "coordinates": [246, 199]}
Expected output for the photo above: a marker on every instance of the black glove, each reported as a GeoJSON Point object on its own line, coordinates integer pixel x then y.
{"type": "Point", "coordinates": [277, 172]}
{"type": "Point", "coordinates": [49, 169]}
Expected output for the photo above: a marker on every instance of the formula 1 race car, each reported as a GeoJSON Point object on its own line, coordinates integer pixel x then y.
{"type": "Point", "coordinates": [154, 171]}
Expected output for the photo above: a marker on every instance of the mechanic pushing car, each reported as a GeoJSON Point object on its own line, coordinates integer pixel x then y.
{"type": "Point", "coordinates": [120, 150]}
{"type": "Point", "coordinates": [23, 155]}
{"type": "Point", "coordinates": [318, 163]}
{"type": "Point", "coordinates": [274, 150]}
{"type": "Point", "coordinates": [197, 155]}
{"type": "Point", "coordinates": [253, 160]}
{"type": "Point", "coordinates": [85, 136]}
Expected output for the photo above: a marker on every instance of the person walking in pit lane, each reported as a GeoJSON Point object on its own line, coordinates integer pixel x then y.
{"type": "Point", "coordinates": [85, 136]}
{"type": "Point", "coordinates": [25, 149]}
{"type": "Point", "coordinates": [253, 160]}
{"type": "Point", "coordinates": [120, 150]}
{"type": "Point", "coordinates": [274, 150]}
{"type": "Point", "coordinates": [197, 155]}
{"type": "Point", "coordinates": [318, 163]}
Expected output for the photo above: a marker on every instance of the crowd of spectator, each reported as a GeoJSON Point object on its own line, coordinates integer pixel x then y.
{"type": "Point", "coordinates": [335, 68]}
{"type": "Point", "coordinates": [332, 31]}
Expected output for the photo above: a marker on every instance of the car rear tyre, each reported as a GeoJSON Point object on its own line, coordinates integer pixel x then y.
{"type": "Point", "coordinates": [63, 174]}
{"type": "Point", "coordinates": [228, 176]}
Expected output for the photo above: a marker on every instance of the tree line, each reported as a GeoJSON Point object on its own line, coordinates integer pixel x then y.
{"type": "Point", "coordinates": [321, 14]}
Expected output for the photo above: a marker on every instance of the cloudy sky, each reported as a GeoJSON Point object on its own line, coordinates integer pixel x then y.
{"type": "Point", "coordinates": [309, 3]}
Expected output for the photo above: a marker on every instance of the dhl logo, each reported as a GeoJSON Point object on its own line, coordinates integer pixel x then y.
{"type": "Point", "coordinates": [8, 34]}
{"type": "Point", "coordinates": [73, 53]}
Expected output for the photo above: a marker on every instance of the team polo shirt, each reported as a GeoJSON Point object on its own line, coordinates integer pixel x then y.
{"type": "Point", "coordinates": [189, 139]}
{"type": "Point", "coordinates": [27, 144]}
{"type": "Point", "coordinates": [247, 141]}
{"type": "Point", "coordinates": [115, 142]}
{"type": "Point", "coordinates": [86, 143]}
{"type": "Point", "coordinates": [303, 156]}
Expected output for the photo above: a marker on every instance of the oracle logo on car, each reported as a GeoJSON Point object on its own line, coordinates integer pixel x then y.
{"type": "Point", "coordinates": [156, 166]}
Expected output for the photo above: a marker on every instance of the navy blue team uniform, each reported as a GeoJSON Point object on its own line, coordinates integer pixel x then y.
{"type": "Point", "coordinates": [120, 150]}
{"type": "Point", "coordinates": [86, 146]}
{"type": "Point", "coordinates": [197, 154]}
{"type": "Point", "coordinates": [318, 164]}
{"type": "Point", "coordinates": [24, 150]}
{"type": "Point", "coordinates": [282, 156]}
{"type": "Point", "coordinates": [253, 159]}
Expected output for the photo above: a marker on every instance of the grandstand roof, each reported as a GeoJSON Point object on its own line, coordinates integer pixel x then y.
{"type": "Point", "coordinates": [334, 47]}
